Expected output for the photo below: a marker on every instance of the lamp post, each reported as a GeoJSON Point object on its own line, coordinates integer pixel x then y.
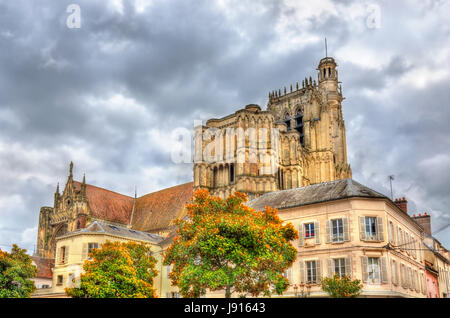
{"type": "Point", "coordinates": [304, 290]}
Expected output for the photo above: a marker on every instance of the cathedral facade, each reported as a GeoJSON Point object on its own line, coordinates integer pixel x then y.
{"type": "Point", "coordinates": [297, 141]}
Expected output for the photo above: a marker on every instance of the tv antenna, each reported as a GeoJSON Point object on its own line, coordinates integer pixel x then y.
{"type": "Point", "coordinates": [391, 177]}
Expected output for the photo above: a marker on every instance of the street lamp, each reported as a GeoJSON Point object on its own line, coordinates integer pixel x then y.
{"type": "Point", "coordinates": [304, 293]}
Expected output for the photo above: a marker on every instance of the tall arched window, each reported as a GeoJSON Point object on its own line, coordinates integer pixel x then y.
{"type": "Point", "coordinates": [329, 72]}
{"type": "Point", "coordinates": [287, 121]}
{"type": "Point", "coordinates": [215, 177]}
{"type": "Point", "coordinates": [299, 126]}
{"type": "Point", "coordinates": [232, 173]}
{"type": "Point", "coordinates": [324, 73]}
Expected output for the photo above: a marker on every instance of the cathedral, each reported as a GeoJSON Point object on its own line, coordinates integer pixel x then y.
{"type": "Point", "coordinates": [297, 141]}
{"type": "Point", "coordinates": [292, 156]}
{"type": "Point", "coordinates": [303, 136]}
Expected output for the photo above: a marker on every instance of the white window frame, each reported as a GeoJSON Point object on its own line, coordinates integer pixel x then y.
{"type": "Point", "coordinates": [373, 270]}
{"type": "Point", "coordinates": [340, 267]}
{"type": "Point", "coordinates": [339, 236]}
{"type": "Point", "coordinates": [369, 235]}
{"type": "Point", "coordinates": [311, 268]}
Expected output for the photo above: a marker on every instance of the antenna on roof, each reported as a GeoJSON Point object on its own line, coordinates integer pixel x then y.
{"type": "Point", "coordinates": [326, 48]}
{"type": "Point", "coordinates": [391, 177]}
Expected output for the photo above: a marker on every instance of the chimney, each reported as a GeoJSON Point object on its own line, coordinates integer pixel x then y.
{"type": "Point", "coordinates": [402, 203]}
{"type": "Point", "coordinates": [425, 221]}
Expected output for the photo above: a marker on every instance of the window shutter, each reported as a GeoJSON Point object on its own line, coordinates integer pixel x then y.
{"type": "Point", "coordinates": [390, 232]}
{"type": "Point", "coordinates": [66, 255]}
{"type": "Point", "coordinates": [403, 274]}
{"type": "Point", "coordinates": [301, 236]}
{"type": "Point", "coordinates": [57, 260]}
{"type": "Point", "coordinates": [328, 230]}
{"type": "Point", "coordinates": [394, 239]}
{"type": "Point", "coordinates": [380, 234]}
{"type": "Point", "coordinates": [289, 274]}
{"type": "Point", "coordinates": [317, 232]}
{"type": "Point", "coordinates": [330, 268]}
{"type": "Point", "coordinates": [420, 251]}
{"type": "Point", "coordinates": [318, 271]}
{"type": "Point", "coordinates": [84, 253]}
{"type": "Point", "coordinates": [348, 267]}
{"type": "Point", "coordinates": [365, 274]}
{"type": "Point", "coordinates": [302, 272]}
{"type": "Point", "coordinates": [408, 277]}
{"type": "Point", "coordinates": [416, 279]}
{"type": "Point", "coordinates": [393, 272]}
{"type": "Point", "coordinates": [383, 270]}
{"type": "Point", "coordinates": [362, 228]}
{"type": "Point", "coordinates": [346, 229]}
{"type": "Point", "coordinates": [424, 291]}
{"type": "Point", "coordinates": [399, 239]}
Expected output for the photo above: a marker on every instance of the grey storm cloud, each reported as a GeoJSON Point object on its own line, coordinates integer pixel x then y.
{"type": "Point", "coordinates": [109, 94]}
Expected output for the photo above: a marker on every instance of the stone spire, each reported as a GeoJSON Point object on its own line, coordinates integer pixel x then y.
{"type": "Point", "coordinates": [83, 185]}
{"type": "Point", "coordinates": [71, 170]}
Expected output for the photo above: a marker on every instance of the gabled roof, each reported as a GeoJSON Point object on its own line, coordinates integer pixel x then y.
{"type": "Point", "coordinates": [316, 193]}
{"type": "Point", "coordinates": [116, 230]}
{"type": "Point", "coordinates": [108, 205]}
{"type": "Point", "coordinates": [44, 266]}
{"type": "Point", "coordinates": [156, 210]}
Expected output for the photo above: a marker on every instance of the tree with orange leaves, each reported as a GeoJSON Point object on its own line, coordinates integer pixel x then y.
{"type": "Point", "coordinates": [226, 245]}
{"type": "Point", "coordinates": [117, 270]}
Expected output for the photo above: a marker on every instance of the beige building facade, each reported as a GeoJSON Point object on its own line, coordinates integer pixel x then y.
{"type": "Point", "coordinates": [350, 230]}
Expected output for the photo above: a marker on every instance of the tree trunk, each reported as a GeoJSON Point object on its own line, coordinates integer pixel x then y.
{"type": "Point", "coordinates": [228, 292]}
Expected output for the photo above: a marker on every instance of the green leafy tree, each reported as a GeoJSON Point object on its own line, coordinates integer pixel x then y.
{"type": "Point", "coordinates": [117, 270]}
{"type": "Point", "coordinates": [341, 287]}
{"type": "Point", "coordinates": [16, 272]}
{"type": "Point", "coordinates": [225, 245]}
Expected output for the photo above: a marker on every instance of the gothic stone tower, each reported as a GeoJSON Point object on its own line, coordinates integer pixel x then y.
{"type": "Point", "coordinates": [302, 133]}
{"type": "Point", "coordinates": [69, 212]}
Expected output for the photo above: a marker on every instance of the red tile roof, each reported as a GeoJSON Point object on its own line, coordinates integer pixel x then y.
{"type": "Point", "coordinates": [154, 211]}
{"type": "Point", "coordinates": [108, 205]}
{"type": "Point", "coordinates": [44, 267]}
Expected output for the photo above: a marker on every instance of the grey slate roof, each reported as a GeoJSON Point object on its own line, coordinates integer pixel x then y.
{"type": "Point", "coordinates": [316, 193]}
{"type": "Point", "coordinates": [116, 230]}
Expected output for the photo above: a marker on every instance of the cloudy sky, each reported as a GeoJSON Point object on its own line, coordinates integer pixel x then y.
{"type": "Point", "coordinates": [108, 94]}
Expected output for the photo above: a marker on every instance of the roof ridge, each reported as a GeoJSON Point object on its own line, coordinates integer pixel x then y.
{"type": "Point", "coordinates": [104, 189]}
{"type": "Point", "coordinates": [175, 186]}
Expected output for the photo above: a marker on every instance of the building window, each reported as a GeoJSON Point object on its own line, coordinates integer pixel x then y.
{"type": "Point", "coordinates": [373, 270]}
{"type": "Point", "coordinates": [299, 126]}
{"type": "Point", "coordinates": [169, 268]}
{"type": "Point", "coordinates": [59, 280]}
{"type": "Point", "coordinates": [231, 173]}
{"type": "Point", "coordinates": [371, 228]}
{"type": "Point", "coordinates": [339, 267]}
{"type": "Point", "coordinates": [311, 272]}
{"type": "Point", "coordinates": [309, 230]}
{"type": "Point", "coordinates": [62, 258]}
{"type": "Point", "coordinates": [287, 121]}
{"type": "Point", "coordinates": [92, 246]}
{"type": "Point", "coordinates": [337, 230]}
